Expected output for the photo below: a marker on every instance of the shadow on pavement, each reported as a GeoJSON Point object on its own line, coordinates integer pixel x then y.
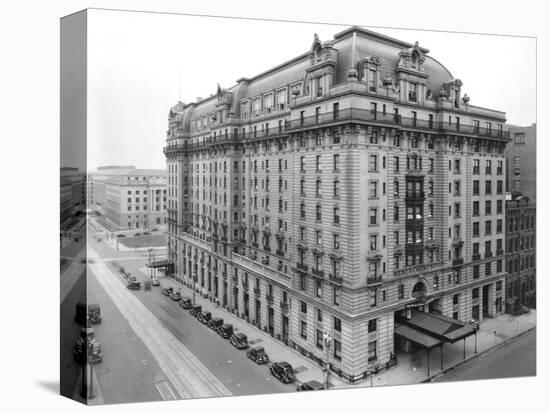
{"type": "Point", "coordinates": [51, 386]}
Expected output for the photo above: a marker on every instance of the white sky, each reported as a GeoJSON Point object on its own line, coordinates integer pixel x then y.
{"type": "Point", "coordinates": [140, 64]}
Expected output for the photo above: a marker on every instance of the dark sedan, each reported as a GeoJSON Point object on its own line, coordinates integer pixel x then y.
{"type": "Point", "coordinates": [283, 372]}
{"type": "Point", "coordinates": [239, 340]}
{"type": "Point", "coordinates": [258, 355]}
{"type": "Point", "coordinates": [167, 291]}
{"type": "Point", "coordinates": [312, 385]}
{"type": "Point", "coordinates": [215, 323]}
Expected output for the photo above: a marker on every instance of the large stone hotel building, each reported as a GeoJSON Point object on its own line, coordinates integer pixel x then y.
{"type": "Point", "coordinates": [344, 192]}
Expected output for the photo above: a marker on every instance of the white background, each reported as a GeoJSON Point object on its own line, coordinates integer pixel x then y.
{"type": "Point", "coordinates": [141, 64]}
{"type": "Point", "coordinates": [29, 122]}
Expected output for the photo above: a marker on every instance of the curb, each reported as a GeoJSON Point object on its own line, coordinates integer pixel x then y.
{"type": "Point", "coordinates": [479, 354]}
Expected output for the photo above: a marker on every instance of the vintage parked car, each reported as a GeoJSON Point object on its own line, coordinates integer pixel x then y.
{"type": "Point", "coordinates": [155, 282]}
{"type": "Point", "coordinates": [239, 340]}
{"type": "Point", "coordinates": [215, 323]}
{"type": "Point", "coordinates": [175, 296]}
{"type": "Point", "coordinates": [204, 317]}
{"type": "Point", "coordinates": [167, 291]}
{"type": "Point", "coordinates": [226, 330]}
{"type": "Point", "coordinates": [283, 372]}
{"type": "Point", "coordinates": [120, 235]}
{"type": "Point", "coordinates": [87, 345]}
{"type": "Point", "coordinates": [137, 234]}
{"type": "Point", "coordinates": [133, 284]}
{"type": "Point", "coordinates": [312, 385]}
{"type": "Point", "coordinates": [186, 303]}
{"type": "Point", "coordinates": [195, 310]}
{"type": "Point", "coordinates": [258, 355]}
{"type": "Point", "coordinates": [93, 315]}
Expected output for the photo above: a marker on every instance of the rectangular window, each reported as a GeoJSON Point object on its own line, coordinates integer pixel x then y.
{"type": "Point", "coordinates": [373, 163]}
{"type": "Point", "coordinates": [372, 325]}
{"type": "Point", "coordinates": [336, 162]}
{"type": "Point", "coordinates": [337, 324]}
{"type": "Point", "coordinates": [337, 350]}
{"type": "Point", "coordinates": [372, 351]}
{"type": "Point", "coordinates": [373, 189]}
{"type": "Point", "coordinates": [373, 216]}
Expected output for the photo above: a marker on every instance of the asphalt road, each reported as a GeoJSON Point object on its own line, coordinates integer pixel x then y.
{"type": "Point", "coordinates": [128, 372]}
{"type": "Point", "coordinates": [240, 375]}
{"type": "Point", "coordinates": [515, 359]}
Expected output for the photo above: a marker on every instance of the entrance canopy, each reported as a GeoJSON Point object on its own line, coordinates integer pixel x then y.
{"type": "Point", "coordinates": [161, 263]}
{"type": "Point", "coordinates": [439, 326]}
{"type": "Point", "coordinates": [417, 337]}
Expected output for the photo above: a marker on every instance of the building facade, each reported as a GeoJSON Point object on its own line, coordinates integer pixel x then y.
{"type": "Point", "coordinates": [520, 254]}
{"type": "Point", "coordinates": [521, 160]}
{"type": "Point", "coordinates": [337, 191]}
{"type": "Point", "coordinates": [129, 198]}
{"type": "Point", "coordinates": [72, 192]}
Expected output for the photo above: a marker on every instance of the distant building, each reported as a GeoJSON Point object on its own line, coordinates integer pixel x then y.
{"type": "Point", "coordinates": [520, 254]}
{"type": "Point", "coordinates": [72, 192]}
{"type": "Point", "coordinates": [521, 161]}
{"type": "Point", "coordinates": [129, 198]}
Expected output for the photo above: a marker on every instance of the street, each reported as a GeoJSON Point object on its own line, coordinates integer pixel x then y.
{"type": "Point", "coordinates": [514, 359]}
{"type": "Point", "coordinates": [143, 334]}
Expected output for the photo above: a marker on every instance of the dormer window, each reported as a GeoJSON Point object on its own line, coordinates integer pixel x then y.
{"type": "Point", "coordinates": [372, 80]}
{"type": "Point", "coordinates": [412, 92]}
{"type": "Point", "coordinates": [319, 87]}
{"type": "Point", "coordinates": [256, 106]}
{"type": "Point", "coordinates": [281, 99]}
{"type": "Point", "coordinates": [268, 103]}
{"type": "Point", "coordinates": [244, 110]}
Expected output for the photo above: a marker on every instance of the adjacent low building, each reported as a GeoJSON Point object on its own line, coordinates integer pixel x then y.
{"type": "Point", "coordinates": [521, 161]}
{"type": "Point", "coordinates": [351, 198]}
{"type": "Point", "coordinates": [129, 198]}
{"type": "Point", "coordinates": [521, 259]}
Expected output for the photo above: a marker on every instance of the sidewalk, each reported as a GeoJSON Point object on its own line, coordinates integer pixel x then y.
{"type": "Point", "coordinates": [305, 368]}
{"type": "Point", "coordinates": [410, 368]}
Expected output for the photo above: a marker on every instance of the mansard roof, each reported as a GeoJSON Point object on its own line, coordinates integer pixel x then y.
{"type": "Point", "coordinates": [352, 45]}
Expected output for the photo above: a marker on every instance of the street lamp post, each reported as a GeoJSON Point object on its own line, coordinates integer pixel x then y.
{"type": "Point", "coordinates": [475, 324]}
{"type": "Point", "coordinates": [327, 339]}
{"type": "Point", "coordinates": [194, 277]}
{"type": "Point", "coordinates": [150, 269]}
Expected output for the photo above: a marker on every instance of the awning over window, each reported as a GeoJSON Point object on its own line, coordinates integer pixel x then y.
{"type": "Point", "coordinates": [416, 337]}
